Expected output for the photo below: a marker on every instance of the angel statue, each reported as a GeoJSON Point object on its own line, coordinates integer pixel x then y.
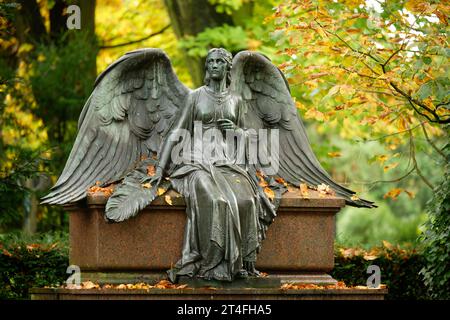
{"type": "Point", "coordinates": [214, 145]}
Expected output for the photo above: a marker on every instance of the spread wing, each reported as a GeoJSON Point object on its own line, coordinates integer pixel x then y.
{"type": "Point", "coordinates": [132, 107]}
{"type": "Point", "coordinates": [269, 105]}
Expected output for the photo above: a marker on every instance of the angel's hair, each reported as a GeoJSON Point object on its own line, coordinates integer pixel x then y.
{"type": "Point", "coordinates": [227, 56]}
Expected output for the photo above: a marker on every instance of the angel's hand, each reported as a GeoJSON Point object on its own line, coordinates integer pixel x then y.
{"type": "Point", "coordinates": [226, 124]}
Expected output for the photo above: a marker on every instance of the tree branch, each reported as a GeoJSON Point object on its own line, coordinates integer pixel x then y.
{"type": "Point", "coordinates": [359, 74]}
{"type": "Point", "coordinates": [348, 45]}
{"type": "Point", "coordinates": [135, 41]}
{"type": "Point", "coordinates": [394, 180]}
{"type": "Point", "coordinates": [415, 102]}
{"type": "Point", "coordinates": [431, 142]}
{"type": "Point", "coordinates": [392, 56]}
{"type": "Point", "coordinates": [390, 135]}
{"type": "Point", "coordinates": [413, 158]}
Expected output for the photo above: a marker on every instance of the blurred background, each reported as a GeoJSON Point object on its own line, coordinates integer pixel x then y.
{"type": "Point", "coordinates": [370, 80]}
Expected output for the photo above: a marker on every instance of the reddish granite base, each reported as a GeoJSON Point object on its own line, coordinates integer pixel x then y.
{"type": "Point", "coordinates": [300, 240]}
{"type": "Point", "coordinates": [208, 294]}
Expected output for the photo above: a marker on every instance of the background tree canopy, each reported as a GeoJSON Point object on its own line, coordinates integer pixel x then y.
{"type": "Point", "coordinates": [370, 79]}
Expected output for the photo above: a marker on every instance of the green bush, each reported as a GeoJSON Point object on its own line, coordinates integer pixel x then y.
{"type": "Point", "coordinates": [24, 266]}
{"type": "Point", "coordinates": [437, 238]}
{"type": "Point", "coordinates": [400, 269]}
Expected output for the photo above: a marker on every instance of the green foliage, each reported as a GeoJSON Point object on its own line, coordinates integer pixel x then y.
{"type": "Point", "coordinates": [43, 86]}
{"type": "Point", "coordinates": [232, 38]}
{"type": "Point", "coordinates": [437, 238]}
{"type": "Point", "coordinates": [227, 6]}
{"type": "Point", "coordinates": [369, 69]}
{"type": "Point", "coordinates": [365, 228]}
{"type": "Point", "coordinates": [61, 76]}
{"type": "Point", "coordinates": [397, 221]}
{"type": "Point", "coordinates": [27, 262]}
{"type": "Point", "coordinates": [6, 9]}
{"type": "Point", "coordinates": [248, 32]}
{"type": "Point", "coordinates": [31, 262]}
{"type": "Point", "coordinates": [12, 192]}
{"type": "Point", "coordinates": [399, 269]}
{"type": "Point", "coordinates": [19, 160]}
{"type": "Point", "coordinates": [374, 73]}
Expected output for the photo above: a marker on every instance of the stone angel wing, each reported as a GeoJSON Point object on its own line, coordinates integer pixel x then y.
{"type": "Point", "coordinates": [269, 105]}
{"type": "Point", "coordinates": [131, 109]}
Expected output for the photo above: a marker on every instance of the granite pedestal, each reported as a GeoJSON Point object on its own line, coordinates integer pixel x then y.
{"type": "Point", "coordinates": [298, 248]}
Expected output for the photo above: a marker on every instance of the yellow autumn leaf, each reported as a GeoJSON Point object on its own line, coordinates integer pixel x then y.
{"type": "Point", "coordinates": [368, 120]}
{"type": "Point", "coordinates": [387, 245]}
{"type": "Point", "coordinates": [253, 44]}
{"type": "Point", "coordinates": [317, 75]}
{"type": "Point", "coordinates": [262, 183]}
{"type": "Point", "coordinates": [281, 181]}
{"type": "Point", "coordinates": [89, 285]}
{"type": "Point", "coordinates": [391, 166]}
{"type": "Point", "coordinates": [393, 194]}
{"type": "Point", "coordinates": [161, 191]}
{"type": "Point", "coordinates": [304, 190]}
{"type": "Point", "coordinates": [410, 194]}
{"type": "Point", "coordinates": [181, 286]}
{"type": "Point", "coordinates": [151, 170]}
{"type": "Point", "coordinates": [26, 47]}
{"type": "Point", "coordinates": [325, 189]}
{"type": "Point", "coordinates": [321, 32]}
{"type": "Point", "coordinates": [269, 193]}
{"type": "Point", "coordinates": [168, 200]}
{"type": "Point", "coordinates": [333, 90]}
{"type": "Point", "coordinates": [300, 105]}
{"type": "Point", "coordinates": [369, 257]}
{"type": "Point", "coordinates": [336, 154]}
{"type": "Point", "coordinates": [311, 84]}
{"type": "Point", "coordinates": [382, 158]}
{"type": "Point", "coordinates": [392, 146]}
{"type": "Point", "coordinates": [347, 90]}
{"type": "Point", "coordinates": [147, 185]}
{"type": "Point", "coordinates": [429, 103]}
{"type": "Point", "coordinates": [402, 124]}
{"type": "Point", "coordinates": [419, 6]}
{"type": "Point", "coordinates": [314, 114]}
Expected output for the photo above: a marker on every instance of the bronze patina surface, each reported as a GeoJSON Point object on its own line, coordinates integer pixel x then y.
{"type": "Point", "coordinates": [145, 131]}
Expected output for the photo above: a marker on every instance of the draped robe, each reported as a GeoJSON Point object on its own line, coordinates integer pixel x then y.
{"type": "Point", "coordinates": [227, 211]}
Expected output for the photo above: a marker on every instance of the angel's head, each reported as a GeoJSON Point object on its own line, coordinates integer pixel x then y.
{"type": "Point", "coordinates": [218, 65]}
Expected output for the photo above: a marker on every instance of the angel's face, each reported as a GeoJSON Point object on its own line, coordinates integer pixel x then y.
{"type": "Point", "coordinates": [217, 66]}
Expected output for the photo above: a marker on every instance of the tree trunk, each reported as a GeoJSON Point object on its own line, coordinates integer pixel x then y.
{"type": "Point", "coordinates": [29, 23]}
{"type": "Point", "coordinates": [190, 17]}
{"type": "Point", "coordinates": [87, 15]}
{"type": "Point", "coordinates": [57, 20]}
{"type": "Point", "coordinates": [88, 25]}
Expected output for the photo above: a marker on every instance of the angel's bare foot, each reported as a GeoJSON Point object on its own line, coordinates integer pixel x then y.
{"type": "Point", "coordinates": [249, 266]}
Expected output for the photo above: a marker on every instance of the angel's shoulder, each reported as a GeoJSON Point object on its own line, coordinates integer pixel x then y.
{"type": "Point", "coordinates": [193, 95]}
{"type": "Point", "coordinates": [197, 91]}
